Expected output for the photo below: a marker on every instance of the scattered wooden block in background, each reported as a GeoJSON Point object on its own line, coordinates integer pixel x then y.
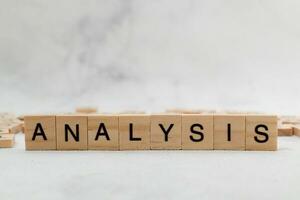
{"type": "Point", "coordinates": [285, 130]}
{"type": "Point", "coordinates": [71, 132]}
{"type": "Point", "coordinates": [229, 132]}
{"type": "Point", "coordinates": [134, 132]}
{"type": "Point", "coordinates": [103, 132]}
{"type": "Point", "coordinates": [130, 112]}
{"type": "Point", "coordinates": [86, 110]}
{"type": "Point", "coordinates": [15, 128]}
{"type": "Point", "coordinates": [296, 130]}
{"type": "Point", "coordinates": [7, 140]}
{"type": "Point", "coordinates": [40, 132]}
{"type": "Point", "coordinates": [261, 132]}
{"type": "Point", "coordinates": [295, 120]}
{"type": "Point", "coordinates": [197, 131]}
{"type": "Point", "coordinates": [10, 122]}
{"type": "Point", "coordinates": [166, 131]}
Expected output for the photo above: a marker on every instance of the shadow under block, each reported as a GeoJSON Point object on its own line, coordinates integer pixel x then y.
{"type": "Point", "coordinates": [134, 132]}
{"type": "Point", "coordinates": [229, 132]}
{"type": "Point", "coordinates": [261, 132]}
{"type": "Point", "coordinates": [103, 132]}
{"type": "Point", "coordinates": [40, 132]}
{"type": "Point", "coordinates": [71, 132]}
{"type": "Point", "coordinates": [197, 131]}
{"type": "Point", "coordinates": [7, 140]}
{"type": "Point", "coordinates": [166, 131]}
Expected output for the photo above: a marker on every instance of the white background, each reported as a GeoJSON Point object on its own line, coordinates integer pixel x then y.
{"type": "Point", "coordinates": [136, 55]}
{"type": "Point", "coordinates": [150, 55]}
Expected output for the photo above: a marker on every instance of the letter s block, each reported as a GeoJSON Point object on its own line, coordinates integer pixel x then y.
{"type": "Point", "coordinates": [71, 132]}
{"type": "Point", "coordinates": [261, 132]}
{"type": "Point", "coordinates": [40, 132]}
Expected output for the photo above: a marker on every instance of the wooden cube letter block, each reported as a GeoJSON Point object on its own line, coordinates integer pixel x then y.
{"type": "Point", "coordinates": [103, 132]}
{"type": "Point", "coordinates": [166, 131]}
{"type": "Point", "coordinates": [71, 132]}
{"type": "Point", "coordinates": [134, 132]}
{"type": "Point", "coordinates": [261, 132]}
{"type": "Point", "coordinates": [229, 132]}
{"type": "Point", "coordinates": [197, 131]}
{"type": "Point", "coordinates": [40, 132]}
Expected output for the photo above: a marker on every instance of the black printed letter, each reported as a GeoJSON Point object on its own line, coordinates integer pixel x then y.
{"type": "Point", "coordinates": [197, 133]}
{"type": "Point", "coordinates": [99, 133]}
{"type": "Point", "coordinates": [37, 133]}
{"type": "Point", "coordinates": [261, 133]}
{"type": "Point", "coordinates": [131, 138]}
{"type": "Point", "coordinates": [166, 132]}
{"type": "Point", "coordinates": [68, 129]}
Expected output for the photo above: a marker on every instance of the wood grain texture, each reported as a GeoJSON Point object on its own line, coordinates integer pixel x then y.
{"type": "Point", "coordinates": [202, 123]}
{"type": "Point", "coordinates": [140, 127]}
{"type": "Point", "coordinates": [107, 125]}
{"type": "Point", "coordinates": [7, 140]}
{"type": "Point", "coordinates": [265, 124]}
{"type": "Point", "coordinates": [160, 122]}
{"type": "Point", "coordinates": [236, 139]}
{"type": "Point", "coordinates": [47, 125]}
{"type": "Point", "coordinates": [65, 140]}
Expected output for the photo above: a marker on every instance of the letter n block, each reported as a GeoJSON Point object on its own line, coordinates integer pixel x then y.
{"type": "Point", "coordinates": [261, 132]}
{"type": "Point", "coordinates": [197, 131]}
{"type": "Point", "coordinates": [229, 132]}
{"type": "Point", "coordinates": [40, 132]}
{"type": "Point", "coordinates": [71, 132]}
{"type": "Point", "coordinates": [103, 132]}
{"type": "Point", "coordinates": [166, 131]}
{"type": "Point", "coordinates": [134, 132]}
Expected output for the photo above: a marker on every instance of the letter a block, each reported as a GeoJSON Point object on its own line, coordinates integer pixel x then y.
{"type": "Point", "coordinates": [229, 132]}
{"type": "Point", "coordinates": [40, 132]}
{"type": "Point", "coordinates": [197, 131]}
{"type": "Point", "coordinates": [103, 132]}
{"type": "Point", "coordinates": [166, 131]}
{"type": "Point", "coordinates": [134, 132]}
{"type": "Point", "coordinates": [71, 131]}
{"type": "Point", "coordinates": [261, 132]}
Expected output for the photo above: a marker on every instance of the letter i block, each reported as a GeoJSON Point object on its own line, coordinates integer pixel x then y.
{"type": "Point", "coordinates": [134, 132]}
{"type": "Point", "coordinates": [197, 131]}
{"type": "Point", "coordinates": [103, 132]}
{"type": "Point", "coordinates": [261, 132]}
{"type": "Point", "coordinates": [166, 131]}
{"type": "Point", "coordinates": [229, 132]}
{"type": "Point", "coordinates": [40, 132]}
{"type": "Point", "coordinates": [71, 132]}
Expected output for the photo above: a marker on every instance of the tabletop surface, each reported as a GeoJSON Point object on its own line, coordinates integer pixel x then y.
{"type": "Point", "coordinates": [151, 174]}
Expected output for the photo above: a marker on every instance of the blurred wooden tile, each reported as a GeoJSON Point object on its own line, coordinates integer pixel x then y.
{"type": "Point", "coordinates": [86, 110]}
{"type": "Point", "coordinates": [134, 132]}
{"type": "Point", "coordinates": [197, 131]}
{"type": "Point", "coordinates": [15, 128]}
{"type": "Point", "coordinates": [229, 132]}
{"type": "Point", "coordinates": [40, 132]}
{"type": "Point", "coordinates": [166, 131]}
{"type": "Point", "coordinates": [285, 130]}
{"type": "Point", "coordinates": [103, 132]}
{"type": "Point", "coordinates": [296, 130]}
{"type": "Point", "coordinates": [71, 132]}
{"type": "Point", "coordinates": [7, 140]}
{"type": "Point", "coordinates": [261, 132]}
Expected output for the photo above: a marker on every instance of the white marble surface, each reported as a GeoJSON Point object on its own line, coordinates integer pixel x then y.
{"type": "Point", "coordinates": [150, 174]}
{"type": "Point", "coordinates": [149, 55]}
